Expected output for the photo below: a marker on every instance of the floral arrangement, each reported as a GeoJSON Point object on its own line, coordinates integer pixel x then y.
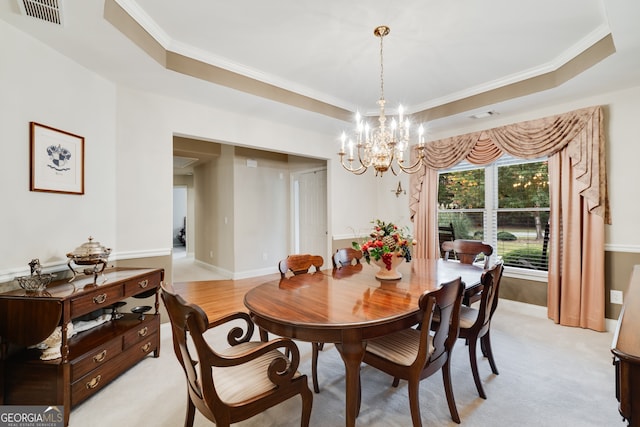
{"type": "Point", "coordinates": [386, 241]}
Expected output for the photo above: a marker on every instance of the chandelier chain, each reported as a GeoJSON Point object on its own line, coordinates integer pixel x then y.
{"type": "Point", "coordinates": [381, 67]}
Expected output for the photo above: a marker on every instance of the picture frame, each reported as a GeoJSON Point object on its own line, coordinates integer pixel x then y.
{"type": "Point", "coordinates": [57, 160]}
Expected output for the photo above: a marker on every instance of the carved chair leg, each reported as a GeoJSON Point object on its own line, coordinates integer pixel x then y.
{"type": "Point", "coordinates": [448, 389]}
{"type": "Point", "coordinates": [307, 401]}
{"type": "Point", "coordinates": [483, 347]}
{"type": "Point", "coordinates": [314, 366]}
{"type": "Point", "coordinates": [485, 343]}
{"type": "Point", "coordinates": [414, 403]}
{"type": "Point", "coordinates": [191, 412]}
{"type": "Point", "coordinates": [474, 368]}
{"type": "Point", "coordinates": [359, 402]}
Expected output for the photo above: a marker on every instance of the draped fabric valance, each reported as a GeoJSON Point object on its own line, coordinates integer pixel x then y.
{"type": "Point", "coordinates": [581, 131]}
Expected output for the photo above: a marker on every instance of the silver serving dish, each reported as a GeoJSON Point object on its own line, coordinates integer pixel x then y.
{"type": "Point", "coordinates": [89, 253]}
{"type": "Point", "coordinates": [37, 282]}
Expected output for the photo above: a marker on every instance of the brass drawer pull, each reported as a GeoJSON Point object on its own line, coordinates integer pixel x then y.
{"type": "Point", "coordinates": [146, 347]}
{"type": "Point", "coordinates": [143, 283]}
{"type": "Point", "coordinates": [100, 356]}
{"type": "Point", "coordinates": [142, 332]}
{"type": "Point", "coordinates": [99, 299]}
{"type": "Point", "coordinates": [94, 382]}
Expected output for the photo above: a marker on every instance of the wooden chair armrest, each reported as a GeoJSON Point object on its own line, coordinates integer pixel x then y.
{"type": "Point", "coordinates": [281, 369]}
{"type": "Point", "coordinates": [237, 334]}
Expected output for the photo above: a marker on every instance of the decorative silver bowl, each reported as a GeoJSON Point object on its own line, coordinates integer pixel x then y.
{"type": "Point", "coordinates": [35, 283]}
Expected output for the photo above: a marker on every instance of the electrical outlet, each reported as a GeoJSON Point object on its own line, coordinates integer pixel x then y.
{"type": "Point", "coordinates": [264, 256]}
{"type": "Point", "coordinates": [210, 254]}
{"type": "Point", "coordinates": [615, 297]}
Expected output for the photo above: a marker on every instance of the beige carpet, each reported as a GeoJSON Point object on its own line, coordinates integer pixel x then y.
{"type": "Point", "coordinates": [549, 376]}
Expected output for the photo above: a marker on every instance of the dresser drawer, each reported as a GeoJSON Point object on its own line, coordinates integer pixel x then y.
{"type": "Point", "coordinates": [99, 298]}
{"type": "Point", "coordinates": [147, 328]}
{"type": "Point", "coordinates": [96, 358]}
{"type": "Point", "coordinates": [95, 380]}
{"type": "Point", "coordinates": [144, 284]}
{"type": "Point", "coordinates": [145, 346]}
{"type": "Point", "coordinates": [98, 378]}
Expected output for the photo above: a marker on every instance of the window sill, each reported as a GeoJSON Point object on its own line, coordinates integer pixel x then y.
{"type": "Point", "coordinates": [526, 274]}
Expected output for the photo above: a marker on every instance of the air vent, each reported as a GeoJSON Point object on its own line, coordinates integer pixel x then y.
{"type": "Point", "coordinates": [45, 10]}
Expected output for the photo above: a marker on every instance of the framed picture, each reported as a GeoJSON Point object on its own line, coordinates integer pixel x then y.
{"type": "Point", "coordinates": [57, 160]}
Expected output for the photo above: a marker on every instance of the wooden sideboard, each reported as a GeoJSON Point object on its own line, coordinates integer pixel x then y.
{"type": "Point", "coordinates": [90, 359]}
{"type": "Point", "coordinates": [626, 353]}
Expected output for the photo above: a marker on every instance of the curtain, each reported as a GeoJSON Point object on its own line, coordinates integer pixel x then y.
{"type": "Point", "coordinates": [574, 143]}
{"type": "Point", "coordinates": [425, 187]}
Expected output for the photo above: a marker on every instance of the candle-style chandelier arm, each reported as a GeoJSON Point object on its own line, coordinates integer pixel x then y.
{"type": "Point", "coordinates": [418, 164]}
{"type": "Point", "coordinates": [358, 171]}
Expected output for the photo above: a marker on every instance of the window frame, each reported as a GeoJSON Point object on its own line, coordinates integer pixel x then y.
{"type": "Point", "coordinates": [491, 209]}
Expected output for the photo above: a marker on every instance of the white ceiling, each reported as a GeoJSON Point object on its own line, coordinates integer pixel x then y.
{"type": "Point", "coordinates": [438, 51]}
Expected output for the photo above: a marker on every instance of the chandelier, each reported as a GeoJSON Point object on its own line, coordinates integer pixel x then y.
{"type": "Point", "coordinates": [380, 146]}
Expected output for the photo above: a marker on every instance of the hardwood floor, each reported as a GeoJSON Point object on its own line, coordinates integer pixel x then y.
{"type": "Point", "coordinates": [223, 296]}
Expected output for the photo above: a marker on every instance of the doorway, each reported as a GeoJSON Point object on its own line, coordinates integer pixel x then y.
{"type": "Point", "coordinates": [179, 228]}
{"type": "Point", "coordinates": [309, 198]}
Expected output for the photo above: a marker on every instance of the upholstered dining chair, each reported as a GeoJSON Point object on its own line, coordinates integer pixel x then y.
{"type": "Point", "coordinates": [238, 382]}
{"type": "Point", "coordinates": [299, 264]}
{"type": "Point", "coordinates": [346, 256]}
{"type": "Point", "coordinates": [467, 252]}
{"type": "Point", "coordinates": [475, 323]}
{"type": "Point", "coordinates": [414, 353]}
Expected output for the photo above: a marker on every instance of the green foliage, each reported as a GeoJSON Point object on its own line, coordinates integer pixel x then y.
{"type": "Point", "coordinates": [505, 235]}
{"type": "Point", "coordinates": [526, 258]}
{"type": "Point", "coordinates": [461, 223]}
{"type": "Point", "coordinates": [523, 185]}
{"type": "Point", "coordinates": [461, 190]}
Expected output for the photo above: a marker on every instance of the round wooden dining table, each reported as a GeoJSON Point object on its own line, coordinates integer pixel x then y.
{"type": "Point", "coordinates": [349, 305]}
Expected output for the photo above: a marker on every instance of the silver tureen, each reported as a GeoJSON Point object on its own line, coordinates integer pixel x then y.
{"type": "Point", "coordinates": [89, 253]}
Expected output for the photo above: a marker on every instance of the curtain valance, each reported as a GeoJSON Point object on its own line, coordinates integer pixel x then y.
{"type": "Point", "coordinates": [580, 130]}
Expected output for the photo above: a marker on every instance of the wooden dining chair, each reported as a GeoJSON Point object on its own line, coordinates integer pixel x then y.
{"type": "Point", "coordinates": [445, 234]}
{"type": "Point", "coordinates": [235, 383]}
{"type": "Point", "coordinates": [467, 252]}
{"type": "Point", "coordinates": [346, 256]}
{"type": "Point", "coordinates": [414, 353]}
{"type": "Point", "coordinates": [475, 323]}
{"type": "Point", "coordinates": [342, 257]}
{"type": "Point", "coordinates": [299, 264]}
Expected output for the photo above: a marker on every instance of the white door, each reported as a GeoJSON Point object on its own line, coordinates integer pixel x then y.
{"type": "Point", "coordinates": [310, 212]}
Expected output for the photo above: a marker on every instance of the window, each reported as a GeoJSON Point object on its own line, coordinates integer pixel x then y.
{"type": "Point", "coordinates": [506, 204]}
